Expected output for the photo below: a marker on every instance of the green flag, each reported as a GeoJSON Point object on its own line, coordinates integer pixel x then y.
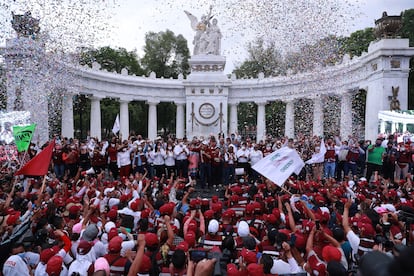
{"type": "Point", "coordinates": [23, 136]}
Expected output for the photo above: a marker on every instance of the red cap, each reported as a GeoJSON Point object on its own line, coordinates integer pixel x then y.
{"type": "Point", "coordinates": [190, 238]}
{"type": "Point", "coordinates": [271, 218]}
{"type": "Point", "coordinates": [276, 212]}
{"type": "Point", "coordinates": [145, 266]}
{"type": "Point", "coordinates": [73, 210]}
{"type": "Point", "coordinates": [112, 233]}
{"type": "Point", "coordinates": [145, 213]}
{"type": "Point", "coordinates": [115, 244]}
{"type": "Point", "coordinates": [112, 214]}
{"type": "Point", "coordinates": [84, 247]}
{"type": "Point", "coordinates": [135, 205]}
{"type": "Point", "coordinates": [249, 256]}
{"type": "Point", "coordinates": [167, 209]}
{"type": "Point", "coordinates": [232, 270]}
{"type": "Point", "coordinates": [317, 267]}
{"type": "Point", "coordinates": [13, 218]}
{"type": "Point", "coordinates": [54, 266]}
{"type": "Point", "coordinates": [48, 253]}
{"type": "Point", "coordinates": [331, 253]}
{"type": "Point", "coordinates": [209, 214]}
{"type": "Point", "coordinates": [217, 207]}
{"type": "Point", "coordinates": [214, 199]}
{"type": "Point", "coordinates": [182, 246]}
{"type": "Point", "coordinates": [250, 208]}
{"type": "Point", "coordinates": [151, 239]}
{"type": "Point", "coordinates": [366, 230]}
{"type": "Point", "coordinates": [192, 226]}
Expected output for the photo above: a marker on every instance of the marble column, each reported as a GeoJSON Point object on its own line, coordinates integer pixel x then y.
{"type": "Point", "coordinates": [261, 121]}
{"type": "Point", "coordinates": [404, 129]}
{"type": "Point", "coordinates": [95, 128]}
{"type": "Point", "coordinates": [233, 118]}
{"type": "Point", "coordinates": [124, 118]}
{"type": "Point", "coordinates": [290, 119]}
{"type": "Point", "coordinates": [152, 119]}
{"type": "Point", "coordinates": [67, 116]}
{"type": "Point", "coordinates": [382, 126]}
{"type": "Point", "coordinates": [346, 116]}
{"type": "Point", "coordinates": [179, 124]}
{"type": "Point", "coordinates": [393, 128]}
{"type": "Point", "coordinates": [317, 117]}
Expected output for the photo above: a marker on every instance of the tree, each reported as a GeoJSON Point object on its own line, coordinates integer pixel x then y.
{"type": "Point", "coordinates": [263, 58]}
{"type": "Point", "coordinates": [3, 89]}
{"type": "Point", "coordinates": [166, 54]}
{"type": "Point", "coordinates": [407, 31]}
{"type": "Point", "coordinates": [113, 60]}
{"type": "Point", "coordinates": [358, 42]}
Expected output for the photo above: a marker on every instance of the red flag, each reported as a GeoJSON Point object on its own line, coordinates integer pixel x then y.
{"type": "Point", "coordinates": [39, 164]}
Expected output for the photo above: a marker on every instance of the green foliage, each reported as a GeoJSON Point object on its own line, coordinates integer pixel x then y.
{"type": "Point", "coordinates": [3, 89]}
{"type": "Point", "coordinates": [407, 30]}
{"type": "Point", "coordinates": [358, 42]}
{"type": "Point", "coordinates": [113, 60]}
{"type": "Point", "coordinates": [275, 118]}
{"type": "Point", "coordinates": [246, 117]}
{"type": "Point", "coordinates": [263, 58]}
{"type": "Point", "coordinates": [166, 54]}
{"type": "Point", "coordinates": [138, 117]}
{"type": "Point", "coordinates": [81, 115]}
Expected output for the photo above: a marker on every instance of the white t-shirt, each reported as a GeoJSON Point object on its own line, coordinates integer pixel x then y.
{"type": "Point", "coordinates": [15, 266]}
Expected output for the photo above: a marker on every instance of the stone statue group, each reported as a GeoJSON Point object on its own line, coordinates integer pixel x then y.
{"type": "Point", "coordinates": [207, 39]}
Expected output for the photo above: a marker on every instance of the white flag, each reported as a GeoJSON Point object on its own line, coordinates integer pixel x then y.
{"type": "Point", "coordinates": [279, 165]}
{"type": "Point", "coordinates": [116, 126]}
{"type": "Point", "coordinates": [318, 157]}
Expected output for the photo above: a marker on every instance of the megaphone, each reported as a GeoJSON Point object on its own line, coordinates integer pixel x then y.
{"type": "Point", "coordinates": [88, 171]}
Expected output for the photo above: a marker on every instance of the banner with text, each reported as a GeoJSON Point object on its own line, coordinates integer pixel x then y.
{"type": "Point", "coordinates": [23, 136]}
{"type": "Point", "coordinates": [279, 165]}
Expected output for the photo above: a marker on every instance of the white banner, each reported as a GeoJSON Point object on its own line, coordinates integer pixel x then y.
{"type": "Point", "coordinates": [279, 165]}
{"type": "Point", "coordinates": [117, 125]}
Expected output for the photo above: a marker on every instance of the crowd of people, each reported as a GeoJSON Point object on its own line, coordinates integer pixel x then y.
{"type": "Point", "coordinates": [132, 207]}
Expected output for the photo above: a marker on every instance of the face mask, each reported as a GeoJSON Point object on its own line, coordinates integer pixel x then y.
{"type": "Point", "coordinates": [170, 148]}
{"type": "Point", "coordinates": [139, 148]}
{"type": "Point", "coordinates": [267, 148]}
{"type": "Point", "coordinates": [243, 148]}
{"type": "Point", "coordinates": [112, 145]}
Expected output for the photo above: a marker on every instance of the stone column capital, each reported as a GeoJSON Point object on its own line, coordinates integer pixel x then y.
{"type": "Point", "coordinates": [152, 102]}
{"type": "Point", "coordinates": [261, 102]}
{"type": "Point", "coordinates": [96, 97]}
{"type": "Point", "coordinates": [125, 100]}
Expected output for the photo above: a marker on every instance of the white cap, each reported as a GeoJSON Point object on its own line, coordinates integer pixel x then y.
{"type": "Point", "coordinates": [351, 183]}
{"type": "Point", "coordinates": [213, 226]}
{"type": "Point", "coordinates": [108, 190]}
{"type": "Point", "coordinates": [109, 225]}
{"type": "Point", "coordinates": [112, 202]}
{"type": "Point", "coordinates": [243, 229]}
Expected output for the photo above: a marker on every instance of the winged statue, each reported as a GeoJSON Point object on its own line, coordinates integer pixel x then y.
{"type": "Point", "coordinates": [202, 41]}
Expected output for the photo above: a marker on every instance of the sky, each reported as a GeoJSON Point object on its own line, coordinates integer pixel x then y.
{"type": "Point", "coordinates": [123, 23]}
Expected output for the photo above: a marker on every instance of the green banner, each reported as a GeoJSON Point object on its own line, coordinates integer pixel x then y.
{"type": "Point", "coordinates": [23, 136]}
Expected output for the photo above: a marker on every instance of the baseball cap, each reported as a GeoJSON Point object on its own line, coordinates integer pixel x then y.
{"type": "Point", "coordinates": [90, 232]}
{"type": "Point", "coordinates": [101, 264]}
{"type": "Point", "coordinates": [54, 266]}
{"type": "Point", "coordinates": [115, 245]}
{"type": "Point", "coordinates": [213, 226]}
{"type": "Point", "coordinates": [243, 229]}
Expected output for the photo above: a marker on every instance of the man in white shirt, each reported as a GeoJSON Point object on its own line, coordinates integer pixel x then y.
{"type": "Point", "coordinates": [181, 153]}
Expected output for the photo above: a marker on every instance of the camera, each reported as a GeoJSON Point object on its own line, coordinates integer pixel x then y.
{"type": "Point", "coordinates": [198, 255]}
